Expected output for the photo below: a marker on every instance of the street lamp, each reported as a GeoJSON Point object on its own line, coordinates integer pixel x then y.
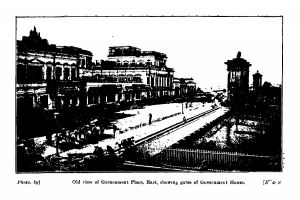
{"type": "Point", "coordinates": [57, 126]}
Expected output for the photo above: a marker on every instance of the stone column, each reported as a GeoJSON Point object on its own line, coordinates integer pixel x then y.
{"type": "Point", "coordinates": [62, 77]}
{"type": "Point", "coordinates": [99, 98]}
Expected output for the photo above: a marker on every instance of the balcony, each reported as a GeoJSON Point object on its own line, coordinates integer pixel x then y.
{"type": "Point", "coordinates": [112, 65]}
{"type": "Point", "coordinates": [113, 79]}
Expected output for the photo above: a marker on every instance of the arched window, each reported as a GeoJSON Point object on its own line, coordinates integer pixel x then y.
{"type": "Point", "coordinates": [66, 73]}
{"type": "Point", "coordinates": [49, 73]}
{"type": "Point", "coordinates": [148, 63]}
{"type": "Point", "coordinates": [118, 63]}
{"type": "Point", "coordinates": [125, 63]}
{"type": "Point", "coordinates": [57, 73]}
{"type": "Point", "coordinates": [73, 73]}
{"type": "Point", "coordinates": [141, 63]}
{"type": "Point", "coordinates": [133, 63]}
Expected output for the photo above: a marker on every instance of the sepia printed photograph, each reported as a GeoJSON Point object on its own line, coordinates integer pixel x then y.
{"type": "Point", "coordinates": [148, 94]}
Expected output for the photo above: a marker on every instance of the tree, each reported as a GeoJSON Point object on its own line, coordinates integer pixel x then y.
{"type": "Point", "coordinates": [199, 90]}
{"type": "Point", "coordinates": [267, 84]}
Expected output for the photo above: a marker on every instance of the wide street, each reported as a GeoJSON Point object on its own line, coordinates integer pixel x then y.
{"type": "Point", "coordinates": [137, 126]}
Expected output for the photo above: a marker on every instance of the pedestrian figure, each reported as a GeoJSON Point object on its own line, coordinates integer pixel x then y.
{"type": "Point", "coordinates": [110, 150]}
{"type": "Point", "coordinates": [114, 130]}
{"type": "Point", "coordinates": [49, 138]}
{"type": "Point", "coordinates": [69, 134]}
{"type": "Point", "coordinates": [130, 141]}
{"type": "Point", "coordinates": [81, 133]}
{"type": "Point", "coordinates": [102, 129]}
{"type": "Point", "coordinates": [184, 119]}
{"type": "Point", "coordinates": [150, 118]}
{"type": "Point", "coordinates": [98, 151]}
{"type": "Point", "coordinates": [97, 131]}
{"type": "Point", "coordinates": [57, 138]}
{"type": "Point", "coordinates": [119, 145]}
{"type": "Point", "coordinates": [63, 132]}
{"type": "Point", "coordinates": [88, 134]}
{"type": "Point", "coordinates": [76, 134]}
{"type": "Point", "coordinates": [125, 143]}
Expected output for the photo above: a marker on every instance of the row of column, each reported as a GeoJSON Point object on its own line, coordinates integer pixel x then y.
{"type": "Point", "coordinates": [113, 97]}
{"type": "Point", "coordinates": [159, 81]}
{"type": "Point", "coordinates": [60, 73]}
{"type": "Point", "coordinates": [65, 101]}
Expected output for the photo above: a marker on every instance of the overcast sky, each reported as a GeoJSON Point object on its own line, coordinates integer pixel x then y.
{"type": "Point", "coordinates": [196, 47]}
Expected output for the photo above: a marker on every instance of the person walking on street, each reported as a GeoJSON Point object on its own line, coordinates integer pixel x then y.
{"type": "Point", "coordinates": [184, 119]}
{"type": "Point", "coordinates": [150, 118]}
{"type": "Point", "coordinates": [114, 130]}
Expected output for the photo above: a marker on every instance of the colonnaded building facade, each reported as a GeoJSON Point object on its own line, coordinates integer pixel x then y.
{"type": "Point", "coordinates": [48, 75]}
{"type": "Point", "coordinates": [135, 75]}
{"type": "Point", "coordinates": [51, 77]}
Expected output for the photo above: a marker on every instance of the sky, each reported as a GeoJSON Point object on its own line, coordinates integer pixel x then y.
{"type": "Point", "coordinates": [196, 47]}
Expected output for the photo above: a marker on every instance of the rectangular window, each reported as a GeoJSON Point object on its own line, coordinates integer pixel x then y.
{"type": "Point", "coordinates": [66, 73]}
{"type": "Point", "coordinates": [73, 74]}
{"type": "Point", "coordinates": [35, 73]}
{"type": "Point", "coordinates": [21, 74]}
{"type": "Point", "coordinates": [82, 63]}
{"type": "Point", "coordinates": [49, 73]}
{"type": "Point", "coordinates": [58, 73]}
{"type": "Point", "coordinates": [138, 95]}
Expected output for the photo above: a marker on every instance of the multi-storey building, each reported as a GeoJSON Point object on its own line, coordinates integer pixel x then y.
{"type": "Point", "coordinates": [139, 73]}
{"type": "Point", "coordinates": [176, 87]}
{"type": "Point", "coordinates": [51, 76]}
{"type": "Point", "coordinates": [184, 87]}
{"type": "Point", "coordinates": [48, 75]}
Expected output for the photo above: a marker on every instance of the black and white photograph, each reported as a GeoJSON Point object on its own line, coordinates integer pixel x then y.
{"type": "Point", "coordinates": [148, 94]}
{"type": "Point", "coordinates": [149, 99]}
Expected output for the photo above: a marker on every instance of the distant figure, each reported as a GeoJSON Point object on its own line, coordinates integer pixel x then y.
{"type": "Point", "coordinates": [76, 133]}
{"type": "Point", "coordinates": [124, 143]}
{"type": "Point", "coordinates": [63, 132]}
{"type": "Point", "coordinates": [57, 140]}
{"type": "Point", "coordinates": [98, 151]}
{"type": "Point", "coordinates": [184, 119]}
{"type": "Point", "coordinates": [119, 145]}
{"type": "Point", "coordinates": [110, 150]}
{"type": "Point", "coordinates": [115, 128]}
{"type": "Point", "coordinates": [102, 129]}
{"type": "Point", "coordinates": [97, 131]}
{"type": "Point", "coordinates": [150, 118]}
{"type": "Point", "coordinates": [130, 141]}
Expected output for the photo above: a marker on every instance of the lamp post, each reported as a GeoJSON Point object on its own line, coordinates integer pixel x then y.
{"type": "Point", "coordinates": [57, 139]}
